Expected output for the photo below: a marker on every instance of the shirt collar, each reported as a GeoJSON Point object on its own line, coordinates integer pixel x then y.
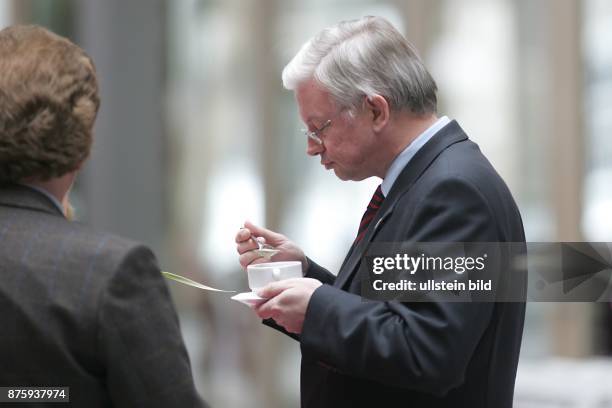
{"type": "Point", "coordinates": [408, 153]}
{"type": "Point", "coordinates": [47, 194]}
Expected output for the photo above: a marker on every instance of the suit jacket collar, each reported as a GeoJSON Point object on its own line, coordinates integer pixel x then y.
{"type": "Point", "coordinates": [447, 136]}
{"type": "Point", "coordinates": [20, 196]}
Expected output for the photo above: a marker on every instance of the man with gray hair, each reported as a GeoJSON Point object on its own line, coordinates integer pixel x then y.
{"type": "Point", "coordinates": [370, 107]}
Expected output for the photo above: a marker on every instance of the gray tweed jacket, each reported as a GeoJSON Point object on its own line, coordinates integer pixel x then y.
{"type": "Point", "coordinates": [85, 310]}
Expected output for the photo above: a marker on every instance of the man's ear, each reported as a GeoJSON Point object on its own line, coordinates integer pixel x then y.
{"type": "Point", "coordinates": [379, 108]}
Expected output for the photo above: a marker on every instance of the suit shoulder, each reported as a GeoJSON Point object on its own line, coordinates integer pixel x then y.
{"type": "Point", "coordinates": [463, 181]}
{"type": "Point", "coordinates": [104, 251]}
{"type": "Point", "coordinates": [464, 163]}
{"type": "Point", "coordinates": [463, 159]}
{"type": "Point", "coordinates": [92, 237]}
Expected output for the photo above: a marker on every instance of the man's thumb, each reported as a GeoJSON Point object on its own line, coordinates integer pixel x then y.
{"type": "Point", "coordinates": [272, 289]}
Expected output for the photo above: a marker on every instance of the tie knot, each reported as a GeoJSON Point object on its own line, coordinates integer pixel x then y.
{"type": "Point", "coordinates": [377, 199]}
{"type": "Point", "coordinates": [368, 216]}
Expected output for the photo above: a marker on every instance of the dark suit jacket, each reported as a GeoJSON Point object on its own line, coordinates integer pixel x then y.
{"type": "Point", "coordinates": [85, 310]}
{"type": "Point", "coordinates": [359, 353]}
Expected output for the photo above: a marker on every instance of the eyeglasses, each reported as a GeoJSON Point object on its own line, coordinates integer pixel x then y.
{"type": "Point", "coordinates": [315, 135]}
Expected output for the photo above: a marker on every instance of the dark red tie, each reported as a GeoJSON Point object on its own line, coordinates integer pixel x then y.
{"type": "Point", "coordinates": [370, 213]}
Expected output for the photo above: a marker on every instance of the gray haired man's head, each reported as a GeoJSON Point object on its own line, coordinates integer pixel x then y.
{"type": "Point", "coordinates": [364, 57]}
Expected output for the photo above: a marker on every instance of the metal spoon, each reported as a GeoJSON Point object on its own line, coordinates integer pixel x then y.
{"type": "Point", "coordinates": [265, 250]}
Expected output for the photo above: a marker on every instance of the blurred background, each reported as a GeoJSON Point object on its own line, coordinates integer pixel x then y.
{"type": "Point", "coordinates": [196, 135]}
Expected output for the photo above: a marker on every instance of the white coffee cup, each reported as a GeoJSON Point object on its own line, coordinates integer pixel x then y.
{"type": "Point", "coordinates": [260, 275]}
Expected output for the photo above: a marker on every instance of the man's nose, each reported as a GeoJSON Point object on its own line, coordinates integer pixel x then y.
{"type": "Point", "coordinates": [313, 148]}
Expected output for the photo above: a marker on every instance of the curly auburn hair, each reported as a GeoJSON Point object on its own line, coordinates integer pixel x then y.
{"type": "Point", "coordinates": [48, 104]}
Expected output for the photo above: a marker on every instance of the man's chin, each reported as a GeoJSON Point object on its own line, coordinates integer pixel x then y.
{"type": "Point", "coordinates": [340, 175]}
{"type": "Point", "coordinates": [347, 177]}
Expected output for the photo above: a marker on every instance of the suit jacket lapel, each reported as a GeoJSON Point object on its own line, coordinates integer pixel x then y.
{"type": "Point", "coordinates": [447, 136]}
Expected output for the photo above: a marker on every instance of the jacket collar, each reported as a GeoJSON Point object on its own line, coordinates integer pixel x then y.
{"type": "Point", "coordinates": [20, 196]}
{"type": "Point", "coordinates": [447, 136]}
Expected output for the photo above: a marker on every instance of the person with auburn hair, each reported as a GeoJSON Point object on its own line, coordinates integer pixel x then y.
{"type": "Point", "coordinates": [79, 308]}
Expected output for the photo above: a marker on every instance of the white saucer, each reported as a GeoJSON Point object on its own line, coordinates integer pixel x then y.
{"type": "Point", "coordinates": [249, 298]}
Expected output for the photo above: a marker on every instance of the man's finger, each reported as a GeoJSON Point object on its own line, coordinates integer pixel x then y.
{"type": "Point", "coordinates": [243, 234]}
{"type": "Point", "coordinates": [266, 310]}
{"type": "Point", "coordinates": [275, 288]}
{"type": "Point", "coordinates": [246, 246]}
{"type": "Point", "coordinates": [250, 258]}
{"type": "Point", "coordinates": [270, 236]}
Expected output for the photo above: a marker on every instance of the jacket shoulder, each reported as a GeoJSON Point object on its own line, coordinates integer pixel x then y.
{"type": "Point", "coordinates": [105, 251]}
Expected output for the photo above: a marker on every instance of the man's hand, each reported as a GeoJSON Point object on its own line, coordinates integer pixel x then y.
{"type": "Point", "coordinates": [287, 302]}
{"type": "Point", "coordinates": [245, 246]}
